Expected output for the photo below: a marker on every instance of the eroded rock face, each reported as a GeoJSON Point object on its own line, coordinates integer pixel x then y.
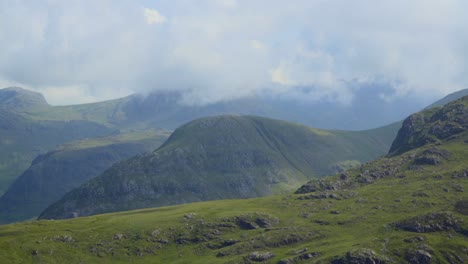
{"type": "Point", "coordinates": [260, 256]}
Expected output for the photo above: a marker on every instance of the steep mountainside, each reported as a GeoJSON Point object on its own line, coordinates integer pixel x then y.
{"type": "Point", "coordinates": [57, 172]}
{"type": "Point", "coordinates": [220, 158]}
{"type": "Point", "coordinates": [405, 208]}
{"type": "Point", "coordinates": [162, 110]}
{"type": "Point", "coordinates": [22, 139]}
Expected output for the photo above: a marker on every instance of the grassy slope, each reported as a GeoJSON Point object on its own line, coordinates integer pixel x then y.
{"type": "Point", "coordinates": [218, 158]}
{"type": "Point", "coordinates": [53, 174]}
{"type": "Point", "coordinates": [346, 213]}
{"type": "Point", "coordinates": [22, 139]}
{"type": "Point", "coordinates": [364, 220]}
{"type": "Point", "coordinates": [18, 150]}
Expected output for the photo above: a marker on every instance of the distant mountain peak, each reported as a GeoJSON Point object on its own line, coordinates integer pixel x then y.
{"type": "Point", "coordinates": [21, 99]}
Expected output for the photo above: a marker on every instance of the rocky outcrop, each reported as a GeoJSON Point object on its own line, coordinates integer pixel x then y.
{"type": "Point", "coordinates": [431, 126]}
{"type": "Point", "coordinates": [363, 255]}
{"type": "Point", "coordinates": [432, 222]}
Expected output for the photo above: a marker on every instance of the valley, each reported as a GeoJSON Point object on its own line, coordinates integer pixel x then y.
{"type": "Point", "coordinates": [407, 207]}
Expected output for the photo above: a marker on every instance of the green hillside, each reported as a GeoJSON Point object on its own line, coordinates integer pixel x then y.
{"type": "Point", "coordinates": [220, 157]}
{"type": "Point", "coordinates": [406, 208]}
{"type": "Point", "coordinates": [57, 172]}
{"type": "Point", "coordinates": [22, 139]}
{"type": "Point", "coordinates": [29, 126]}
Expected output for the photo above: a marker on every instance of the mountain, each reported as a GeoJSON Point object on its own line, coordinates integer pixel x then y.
{"type": "Point", "coordinates": [410, 207]}
{"type": "Point", "coordinates": [449, 98]}
{"type": "Point", "coordinates": [22, 139]}
{"type": "Point", "coordinates": [166, 110]}
{"type": "Point", "coordinates": [55, 173]}
{"type": "Point", "coordinates": [169, 110]}
{"type": "Point", "coordinates": [221, 157]}
{"type": "Point", "coordinates": [20, 99]}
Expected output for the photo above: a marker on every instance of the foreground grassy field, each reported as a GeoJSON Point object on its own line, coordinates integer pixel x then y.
{"type": "Point", "coordinates": [344, 216]}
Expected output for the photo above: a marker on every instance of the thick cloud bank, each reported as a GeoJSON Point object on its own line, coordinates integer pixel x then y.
{"type": "Point", "coordinates": [82, 51]}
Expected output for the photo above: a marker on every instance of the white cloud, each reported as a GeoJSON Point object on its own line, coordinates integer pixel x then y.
{"type": "Point", "coordinates": [217, 50]}
{"type": "Point", "coordinates": [258, 45]}
{"type": "Point", "coordinates": [280, 76]}
{"type": "Point", "coordinates": [152, 16]}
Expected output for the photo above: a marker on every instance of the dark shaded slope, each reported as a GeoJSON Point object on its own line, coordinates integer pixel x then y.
{"type": "Point", "coordinates": [219, 158]}
{"type": "Point", "coordinates": [53, 174]}
{"type": "Point", "coordinates": [22, 139]}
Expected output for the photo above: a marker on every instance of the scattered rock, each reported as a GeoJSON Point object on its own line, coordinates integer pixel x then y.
{"type": "Point", "coordinates": [246, 223]}
{"type": "Point", "coordinates": [429, 160]}
{"type": "Point", "coordinates": [306, 256]}
{"type": "Point", "coordinates": [321, 222]}
{"type": "Point", "coordinates": [432, 222]}
{"type": "Point", "coordinates": [260, 256]}
{"type": "Point", "coordinates": [458, 187]}
{"type": "Point", "coordinates": [432, 156]}
{"type": "Point", "coordinates": [302, 257]}
{"type": "Point", "coordinates": [225, 243]}
{"type": "Point", "coordinates": [344, 176]}
{"type": "Point", "coordinates": [414, 239]}
{"type": "Point", "coordinates": [254, 221]}
{"type": "Point", "coordinates": [418, 256]}
{"type": "Point", "coordinates": [286, 261]}
{"type": "Point", "coordinates": [155, 233]}
{"type": "Point", "coordinates": [363, 179]}
{"type": "Point", "coordinates": [162, 241]}
{"type": "Point", "coordinates": [63, 238]}
{"type": "Point", "coordinates": [319, 185]}
{"type": "Point", "coordinates": [363, 255]}
{"type": "Point", "coordinates": [118, 236]}
{"type": "Point", "coordinates": [420, 194]}
{"type": "Point", "coordinates": [462, 207]}
{"type": "Point", "coordinates": [190, 216]}
{"type": "Point", "coordinates": [300, 251]}
{"type": "Point", "coordinates": [453, 257]}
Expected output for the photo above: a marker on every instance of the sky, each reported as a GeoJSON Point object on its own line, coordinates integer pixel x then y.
{"type": "Point", "coordinates": [216, 50]}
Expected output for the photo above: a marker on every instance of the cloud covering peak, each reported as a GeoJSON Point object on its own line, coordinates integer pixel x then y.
{"type": "Point", "coordinates": [82, 51]}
